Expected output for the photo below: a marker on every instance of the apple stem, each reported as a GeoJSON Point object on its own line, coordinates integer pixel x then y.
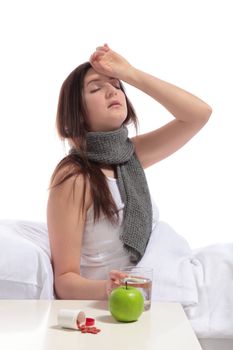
{"type": "Point", "coordinates": [126, 284]}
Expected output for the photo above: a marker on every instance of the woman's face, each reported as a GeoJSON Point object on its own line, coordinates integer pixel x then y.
{"type": "Point", "coordinates": [105, 102]}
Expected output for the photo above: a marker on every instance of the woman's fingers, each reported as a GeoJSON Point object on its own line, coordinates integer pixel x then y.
{"type": "Point", "coordinates": [108, 62]}
{"type": "Point", "coordinates": [96, 55]}
{"type": "Point", "coordinates": [116, 275]}
{"type": "Point", "coordinates": [100, 51]}
{"type": "Point", "coordinates": [114, 280]}
{"type": "Point", "coordinates": [105, 48]}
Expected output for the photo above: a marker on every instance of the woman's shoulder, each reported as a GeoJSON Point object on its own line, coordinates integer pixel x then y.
{"type": "Point", "coordinates": [68, 180]}
{"type": "Point", "coordinates": [65, 169]}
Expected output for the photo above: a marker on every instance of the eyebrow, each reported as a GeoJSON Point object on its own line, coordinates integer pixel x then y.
{"type": "Point", "coordinates": [98, 79]}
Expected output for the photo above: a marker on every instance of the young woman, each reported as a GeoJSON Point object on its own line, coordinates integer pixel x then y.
{"type": "Point", "coordinates": [100, 214]}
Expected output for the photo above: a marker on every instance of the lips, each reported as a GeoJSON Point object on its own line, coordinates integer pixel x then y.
{"type": "Point", "coordinates": [114, 103]}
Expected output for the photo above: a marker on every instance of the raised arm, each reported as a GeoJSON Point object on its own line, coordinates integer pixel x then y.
{"type": "Point", "coordinates": [190, 112]}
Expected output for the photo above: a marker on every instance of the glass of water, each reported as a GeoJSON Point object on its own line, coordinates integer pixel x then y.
{"type": "Point", "coordinates": [140, 278]}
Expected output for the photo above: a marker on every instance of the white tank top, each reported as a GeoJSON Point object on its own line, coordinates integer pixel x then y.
{"type": "Point", "coordinates": [102, 249]}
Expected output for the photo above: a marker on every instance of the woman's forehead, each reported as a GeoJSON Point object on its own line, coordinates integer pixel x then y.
{"type": "Point", "coordinates": [93, 75]}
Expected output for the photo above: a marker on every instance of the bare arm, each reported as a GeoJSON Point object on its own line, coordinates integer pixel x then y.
{"type": "Point", "coordinates": [190, 112]}
{"type": "Point", "coordinates": [65, 225]}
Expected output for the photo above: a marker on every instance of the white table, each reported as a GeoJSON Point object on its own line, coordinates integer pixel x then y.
{"type": "Point", "coordinates": [32, 324]}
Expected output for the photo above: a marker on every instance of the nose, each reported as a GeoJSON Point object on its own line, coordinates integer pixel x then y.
{"type": "Point", "coordinates": [110, 90]}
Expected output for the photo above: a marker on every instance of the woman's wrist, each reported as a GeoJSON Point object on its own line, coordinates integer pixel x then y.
{"type": "Point", "coordinates": [130, 75]}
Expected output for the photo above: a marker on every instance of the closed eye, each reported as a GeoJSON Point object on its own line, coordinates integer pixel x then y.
{"type": "Point", "coordinates": [115, 85]}
{"type": "Point", "coordinates": [92, 91]}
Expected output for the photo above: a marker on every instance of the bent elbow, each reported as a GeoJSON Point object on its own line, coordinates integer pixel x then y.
{"type": "Point", "coordinates": [204, 116]}
{"type": "Point", "coordinates": [63, 287]}
{"type": "Point", "coordinates": [207, 113]}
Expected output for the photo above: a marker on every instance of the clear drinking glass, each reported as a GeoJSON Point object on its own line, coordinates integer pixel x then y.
{"type": "Point", "coordinates": [140, 278]}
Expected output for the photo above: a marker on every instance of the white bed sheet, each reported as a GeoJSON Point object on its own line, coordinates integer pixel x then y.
{"type": "Point", "coordinates": [25, 264]}
{"type": "Point", "coordinates": [201, 280]}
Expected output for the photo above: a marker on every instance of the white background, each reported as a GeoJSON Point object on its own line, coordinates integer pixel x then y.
{"type": "Point", "coordinates": [185, 42]}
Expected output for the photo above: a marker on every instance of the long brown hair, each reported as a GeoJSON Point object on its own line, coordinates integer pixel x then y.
{"type": "Point", "coordinates": [72, 124]}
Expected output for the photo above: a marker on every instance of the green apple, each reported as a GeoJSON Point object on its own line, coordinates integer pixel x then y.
{"type": "Point", "coordinates": [126, 303]}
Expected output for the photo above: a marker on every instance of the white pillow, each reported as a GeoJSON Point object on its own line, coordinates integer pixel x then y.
{"type": "Point", "coordinates": [25, 266]}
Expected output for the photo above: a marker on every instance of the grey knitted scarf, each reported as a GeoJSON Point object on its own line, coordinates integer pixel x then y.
{"type": "Point", "coordinates": [116, 148]}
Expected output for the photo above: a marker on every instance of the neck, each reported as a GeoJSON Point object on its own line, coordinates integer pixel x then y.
{"type": "Point", "coordinates": [108, 148]}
